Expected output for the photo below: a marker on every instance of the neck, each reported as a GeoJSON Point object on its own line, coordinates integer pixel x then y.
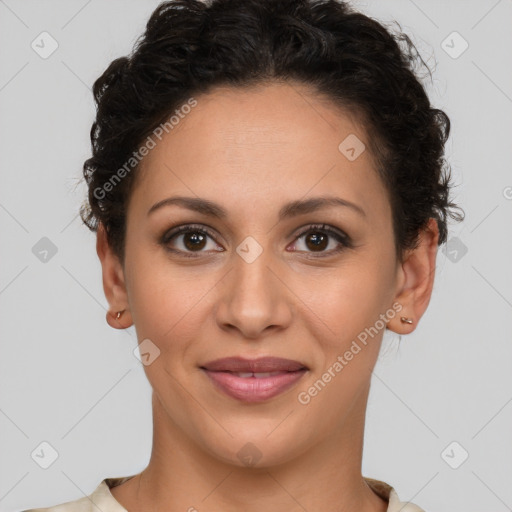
{"type": "Point", "coordinates": [181, 476]}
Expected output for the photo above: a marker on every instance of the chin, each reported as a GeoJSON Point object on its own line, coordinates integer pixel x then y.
{"type": "Point", "coordinates": [258, 445]}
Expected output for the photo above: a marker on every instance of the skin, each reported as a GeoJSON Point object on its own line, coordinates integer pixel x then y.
{"type": "Point", "coordinates": [251, 151]}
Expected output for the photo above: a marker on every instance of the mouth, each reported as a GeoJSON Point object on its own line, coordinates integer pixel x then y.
{"type": "Point", "coordinates": [254, 380]}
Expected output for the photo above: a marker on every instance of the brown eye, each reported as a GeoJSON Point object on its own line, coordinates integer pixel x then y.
{"type": "Point", "coordinates": [318, 238]}
{"type": "Point", "coordinates": [194, 240]}
{"type": "Point", "coordinates": [189, 239]}
{"type": "Point", "coordinates": [317, 241]}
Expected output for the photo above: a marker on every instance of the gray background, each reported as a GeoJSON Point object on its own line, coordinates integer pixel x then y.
{"type": "Point", "coordinates": [70, 380]}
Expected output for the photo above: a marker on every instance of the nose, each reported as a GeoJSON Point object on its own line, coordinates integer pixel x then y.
{"type": "Point", "coordinates": [254, 299]}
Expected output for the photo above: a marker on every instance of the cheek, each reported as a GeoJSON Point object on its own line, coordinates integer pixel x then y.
{"type": "Point", "coordinates": [345, 302]}
{"type": "Point", "coordinates": [349, 307]}
{"type": "Point", "coordinates": [163, 298]}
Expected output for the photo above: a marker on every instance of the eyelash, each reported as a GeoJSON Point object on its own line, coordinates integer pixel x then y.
{"type": "Point", "coordinates": [339, 236]}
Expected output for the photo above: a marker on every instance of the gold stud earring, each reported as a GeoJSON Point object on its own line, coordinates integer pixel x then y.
{"type": "Point", "coordinates": [119, 313]}
{"type": "Point", "coordinates": [405, 320]}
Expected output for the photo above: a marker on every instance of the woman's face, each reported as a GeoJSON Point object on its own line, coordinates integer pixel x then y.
{"type": "Point", "coordinates": [258, 283]}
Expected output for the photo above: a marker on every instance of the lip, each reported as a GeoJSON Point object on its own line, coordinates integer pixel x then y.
{"type": "Point", "coordinates": [261, 364]}
{"type": "Point", "coordinates": [284, 374]}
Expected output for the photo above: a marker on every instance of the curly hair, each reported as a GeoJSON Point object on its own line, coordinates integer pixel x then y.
{"type": "Point", "coordinates": [191, 46]}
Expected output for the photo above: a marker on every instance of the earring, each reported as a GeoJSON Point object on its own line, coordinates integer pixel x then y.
{"type": "Point", "coordinates": [119, 313]}
{"type": "Point", "coordinates": [405, 320]}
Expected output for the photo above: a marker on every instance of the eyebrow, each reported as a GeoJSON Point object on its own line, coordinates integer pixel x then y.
{"type": "Point", "coordinates": [292, 209]}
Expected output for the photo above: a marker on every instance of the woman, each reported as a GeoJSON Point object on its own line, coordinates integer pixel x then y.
{"type": "Point", "coordinates": [269, 191]}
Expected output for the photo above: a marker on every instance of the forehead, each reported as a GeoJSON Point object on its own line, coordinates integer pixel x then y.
{"type": "Point", "coordinates": [258, 145]}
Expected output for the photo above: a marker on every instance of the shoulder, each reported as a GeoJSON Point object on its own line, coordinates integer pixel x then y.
{"type": "Point", "coordinates": [388, 493]}
{"type": "Point", "coordinates": [101, 498]}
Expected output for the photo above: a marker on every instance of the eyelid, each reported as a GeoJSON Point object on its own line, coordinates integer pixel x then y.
{"type": "Point", "coordinates": [178, 230]}
{"type": "Point", "coordinates": [322, 227]}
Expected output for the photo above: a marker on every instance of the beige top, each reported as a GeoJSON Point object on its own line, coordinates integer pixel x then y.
{"type": "Point", "coordinates": [102, 499]}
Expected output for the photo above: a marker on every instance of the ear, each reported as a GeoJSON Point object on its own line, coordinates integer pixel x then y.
{"type": "Point", "coordinates": [113, 282]}
{"type": "Point", "coordinates": [416, 280]}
